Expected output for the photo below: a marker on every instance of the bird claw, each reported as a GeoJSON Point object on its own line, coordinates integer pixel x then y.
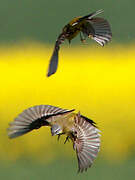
{"type": "Point", "coordinates": [69, 41]}
{"type": "Point", "coordinates": [58, 137]}
{"type": "Point", "coordinates": [90, 36]}
{"type": "Point", "coordinates": [83, 40]}
{"type": "Point", "coordinates": [67, 139]}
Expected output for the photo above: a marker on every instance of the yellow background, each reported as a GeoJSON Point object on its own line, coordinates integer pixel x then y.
{"type": "Point", "coordinates": [98, 82]}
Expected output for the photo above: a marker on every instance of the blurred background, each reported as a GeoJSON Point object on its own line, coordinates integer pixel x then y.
{"type": "Point", "coordinates": [98, 82]}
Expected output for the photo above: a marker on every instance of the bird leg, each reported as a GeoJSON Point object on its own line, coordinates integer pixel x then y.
{"type": "Point", "coordinates": [83, 40]}
{"type": "Point", "coordinates": [69, 41]}
{"type": "Point", "coordinates": [67, 139]}
{"type": "Point", "coordinates": [90, 36]}
{"type": "Point", "coordinates": [58, 137]}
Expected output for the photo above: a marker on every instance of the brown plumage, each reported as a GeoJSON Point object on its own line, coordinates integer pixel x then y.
{"type": "Point", "coordinates": [97, 29]}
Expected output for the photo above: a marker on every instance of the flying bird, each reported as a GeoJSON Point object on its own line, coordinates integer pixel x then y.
{"type": "Point", "coordinates": [89, 26]}
{"type": "Point", "coordinates": [81, 130]}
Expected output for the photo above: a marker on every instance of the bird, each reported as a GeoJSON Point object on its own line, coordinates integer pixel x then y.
{"type": "Point", "coordinates": [81, 130]}
{"type": "Point", "coordinates": [96, 28]}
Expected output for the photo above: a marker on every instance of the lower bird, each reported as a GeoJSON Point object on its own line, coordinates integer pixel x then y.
{"type": "Point", "coordinates": [81, 130]}
{"type": "Point", "coordinates": [89, 26]}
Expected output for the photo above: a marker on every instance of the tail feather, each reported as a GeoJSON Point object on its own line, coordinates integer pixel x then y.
{"type": "Point", "coordinates": [53, 63]}
{"type": "Point", "coordinates": [54, 59]}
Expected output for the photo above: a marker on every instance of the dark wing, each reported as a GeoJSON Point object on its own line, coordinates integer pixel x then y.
{"type": "Point", "coordinates": [86, 143]}
{"type": "Point", "coordinates": [34, 118]}
{"type": "Point", "coordinates": [54, 59]}
{"type": "Point", "coordinates": [90, 16]}
{"type": "Point", "coordinates": [97, 29]}
{"type": "Point", "coordinates": [89, 120]}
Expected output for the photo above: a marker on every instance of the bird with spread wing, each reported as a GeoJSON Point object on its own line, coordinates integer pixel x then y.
{"type": "Point", "coordinates": [81, 130]}
{"type": "Point", "coordinates": [89, 26]}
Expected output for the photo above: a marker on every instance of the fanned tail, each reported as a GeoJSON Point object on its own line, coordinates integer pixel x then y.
{"type": "Point", "coordinates": [54, 59]}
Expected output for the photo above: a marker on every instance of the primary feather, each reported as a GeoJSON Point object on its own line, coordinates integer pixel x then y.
{"type": "Point", "coordinates": [34, 118]}
{"type": "Point", "coordinates": [86, 143]}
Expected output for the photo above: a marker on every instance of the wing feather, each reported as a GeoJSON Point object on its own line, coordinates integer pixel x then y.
{"type": "Point", "coordinates": [98, 29]}
{"type": "Point", "coordinates": [86, 143]}
{"type": "Point", "coordinates": [34, 118]}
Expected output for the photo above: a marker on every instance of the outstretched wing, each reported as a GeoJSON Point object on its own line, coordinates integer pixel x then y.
{"type": "Point", "coordinates": [86, 143]}
{"type": "Point", "coordinates": [54, 59]}
{"type": "Point", "coordinates": [97, 29]}
{"type": "Point", "coordinates": [34, 118]}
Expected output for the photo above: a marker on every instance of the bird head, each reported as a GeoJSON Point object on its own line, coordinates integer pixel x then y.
{"type": "Point", "coordinates": [71, 25]}
{"type": "Point", "coordinates": [56, 129]}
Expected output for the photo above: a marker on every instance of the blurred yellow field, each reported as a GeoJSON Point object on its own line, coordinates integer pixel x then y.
{"type": "Point", "coordinates": [99, 82]}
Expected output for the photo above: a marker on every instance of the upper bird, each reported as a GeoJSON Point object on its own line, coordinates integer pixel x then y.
{"type": "Point", "coordinates": [89, 26]}
{"type": "Point", "coordinates": [81, 130]}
